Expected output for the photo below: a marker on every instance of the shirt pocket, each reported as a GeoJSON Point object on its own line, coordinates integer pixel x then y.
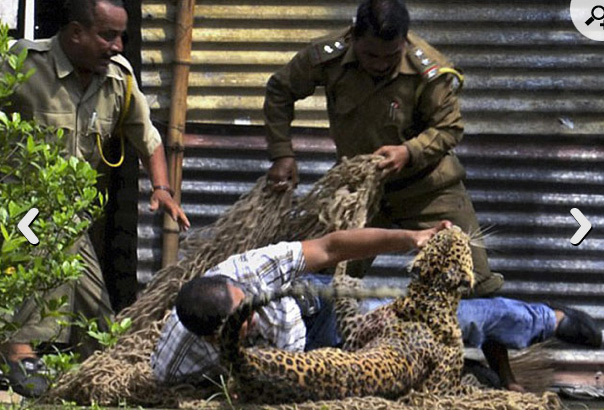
{"type": "Point", "coordinates": [99, 139]}
{"type": "Point", "coordinates": [396, 118]}
{"type": "Point", "coordinates": [397, 111]}
{"type": "Point", "coordinates": [104, 128]}
{"type": "Point", "coordinates": [60, 120]}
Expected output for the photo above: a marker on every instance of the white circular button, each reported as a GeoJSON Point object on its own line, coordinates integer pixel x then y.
{"type": "Point", "coordinates": [588, 18]}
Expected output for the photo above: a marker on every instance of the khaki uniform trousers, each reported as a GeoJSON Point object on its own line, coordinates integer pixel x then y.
{"type": "Point", "coordinates": [88, 296]}
{"type": "Point", "coordinates": [425, 211]}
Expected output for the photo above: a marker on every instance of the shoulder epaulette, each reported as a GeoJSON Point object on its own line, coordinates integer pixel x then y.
{"type": "Point", "coordinates": [123, 63]}
{"type": "Point", "coordinates": [33, 45]}
{"type": "Point", "coordinates": [430, 64]}
{"type": "Point", "coordinates": [328, 48]}
{"type": "Point", "coordinates": [430, 68]}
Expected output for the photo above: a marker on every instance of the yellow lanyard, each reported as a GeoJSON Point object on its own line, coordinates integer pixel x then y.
{"type": "Point", "coordinates": [119, 130]}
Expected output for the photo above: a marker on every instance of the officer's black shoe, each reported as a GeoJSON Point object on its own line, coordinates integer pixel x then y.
{"type": "Point", "coordinates": [578, 327]}
{"type": "Point", "coordinates": [27, 377]}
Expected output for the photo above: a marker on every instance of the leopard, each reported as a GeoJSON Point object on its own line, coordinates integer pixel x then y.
{"type": "Point", "coordinates": [413, 342]}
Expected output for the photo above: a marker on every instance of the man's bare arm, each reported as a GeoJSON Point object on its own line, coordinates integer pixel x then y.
{"type": "Point", "coordinates": [363, 243]}
{"type": "Point", "coordinates": [160, 198]}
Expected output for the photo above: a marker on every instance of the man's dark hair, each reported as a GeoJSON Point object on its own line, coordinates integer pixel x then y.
{"type": "Point", "coordinates": [82, 11]}
{"type": "Point", "coordinates": [203, 303]}
{"type": "Point", "coordinates": [385, 19]}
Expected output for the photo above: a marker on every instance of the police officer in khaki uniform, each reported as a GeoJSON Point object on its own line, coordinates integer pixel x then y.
{"type": "Point", "coordinates": [82, 85]}
{"type": "Point", "coordinates": [389, 93]}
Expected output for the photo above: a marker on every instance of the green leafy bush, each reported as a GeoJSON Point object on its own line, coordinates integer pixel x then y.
{"type": "Point", "coordinates": [36, 173]}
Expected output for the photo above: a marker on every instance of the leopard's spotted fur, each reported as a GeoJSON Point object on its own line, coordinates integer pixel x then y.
{"type": "Point", "coordinates": [413, 342]}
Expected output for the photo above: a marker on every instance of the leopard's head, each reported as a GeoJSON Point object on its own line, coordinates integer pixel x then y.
{"type": "Point", "coordinates": [445, 262]}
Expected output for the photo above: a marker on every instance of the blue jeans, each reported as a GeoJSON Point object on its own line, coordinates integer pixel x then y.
{"type": "Point", "coordinates": [321, 327]}
{"type": "Point", "coordinates": [513, 323]}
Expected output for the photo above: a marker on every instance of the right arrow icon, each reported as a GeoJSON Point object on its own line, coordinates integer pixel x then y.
{"type": "Point", "coordinates": [584, 227]}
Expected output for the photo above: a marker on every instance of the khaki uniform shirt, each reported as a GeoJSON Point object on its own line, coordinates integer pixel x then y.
{"type": "Point", "coordinates": [417, 107]}
{"type": "Point", "coordinates": [54, 97]}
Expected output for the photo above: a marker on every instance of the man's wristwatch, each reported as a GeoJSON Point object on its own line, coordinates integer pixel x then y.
{"type": "Point", "coordinates": [163, 188]}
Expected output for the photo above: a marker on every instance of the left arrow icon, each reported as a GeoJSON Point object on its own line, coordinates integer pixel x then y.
{"type": "Point", "coordinates": [23, 226]}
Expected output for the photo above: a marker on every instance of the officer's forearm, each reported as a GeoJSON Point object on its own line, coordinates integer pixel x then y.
{"type": "Point", "coordinates": [278, 116]}
{"type": "Point", "coordinates": [157, 167]}
{"type": "Point", "coordinates": [293, 82]}
{"type": "Point", "coordinates": [431, 146]}
{"type": "Point", "coordinates": [279, 140]}
{"type": "Point", "coordinates": [440, 111]}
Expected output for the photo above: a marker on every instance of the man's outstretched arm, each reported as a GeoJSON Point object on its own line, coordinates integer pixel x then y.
{"type": "Point", "coordinates": [363, 243]}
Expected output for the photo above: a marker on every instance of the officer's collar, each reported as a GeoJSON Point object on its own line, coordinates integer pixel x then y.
{"type": "Point", "coordinates": [63, 66]}
{"type": "Point", "coordinates": [405, 66]}
{"type": "Point", "coordinates": [350, 57]}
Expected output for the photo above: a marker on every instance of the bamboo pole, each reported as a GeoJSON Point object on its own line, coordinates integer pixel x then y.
{"type": "Point", "coordinates": [178, 118]}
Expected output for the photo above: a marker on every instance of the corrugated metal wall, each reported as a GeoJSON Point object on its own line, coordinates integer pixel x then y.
{"type": "Point", "coordinates": [532, 103]}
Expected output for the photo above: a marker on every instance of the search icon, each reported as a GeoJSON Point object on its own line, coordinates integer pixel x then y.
{"type": "Point", "coordinates": [593, 15]}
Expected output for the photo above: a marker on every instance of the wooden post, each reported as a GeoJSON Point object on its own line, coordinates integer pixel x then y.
{"type": "Point", "coordinates": [178, 117]}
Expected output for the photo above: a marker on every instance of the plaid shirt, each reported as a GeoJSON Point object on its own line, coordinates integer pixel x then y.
{"type": "Point", "coordinates": [181, 356]}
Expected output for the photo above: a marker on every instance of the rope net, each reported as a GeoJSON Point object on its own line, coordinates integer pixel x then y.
{"type": "Point", "coordinates": [346, 197]}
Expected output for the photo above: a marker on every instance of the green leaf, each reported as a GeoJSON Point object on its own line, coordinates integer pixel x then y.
{"type": "Point", "coordinates": [31, 145]}
{"type": "Point", "coordinates": [13, 62]}
{"type": "Point", "coordinates": [15, 209]}
{"type": "Point", "coordinates": [5, 234]}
